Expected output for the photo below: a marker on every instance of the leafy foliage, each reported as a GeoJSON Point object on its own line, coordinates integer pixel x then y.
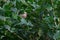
{"type": "Point", "coordinates": [42, 21]}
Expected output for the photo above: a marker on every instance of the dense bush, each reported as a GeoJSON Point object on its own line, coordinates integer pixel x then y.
{"type": "Point", "coordinates": [29, 19]}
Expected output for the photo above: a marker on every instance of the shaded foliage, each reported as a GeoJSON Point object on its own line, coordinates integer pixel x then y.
{"type": "Point", "coordinates": [42, 21]}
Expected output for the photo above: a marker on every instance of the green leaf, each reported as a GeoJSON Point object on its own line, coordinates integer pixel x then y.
{"type": "Point", "coordinates": [24, 2]}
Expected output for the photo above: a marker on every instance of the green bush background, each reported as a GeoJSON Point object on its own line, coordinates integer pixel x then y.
{"type": "Point", "coordinates": [42, 21]}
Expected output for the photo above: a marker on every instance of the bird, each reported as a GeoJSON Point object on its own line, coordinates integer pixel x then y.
{"type": "Point", "coordinates": [24, 15]}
